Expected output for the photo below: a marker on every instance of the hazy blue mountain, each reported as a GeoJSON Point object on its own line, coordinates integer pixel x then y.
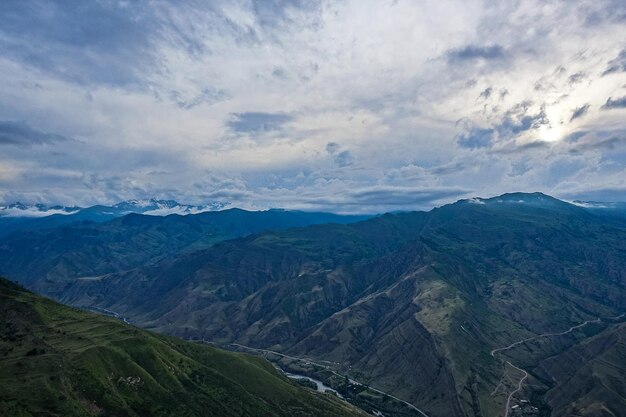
{"type": "Point", "coordinates": [18, 216]}
{"type": "Point", "coordinates": [612, 209]}
{"type": "Point", "coordinates": [45, 259]}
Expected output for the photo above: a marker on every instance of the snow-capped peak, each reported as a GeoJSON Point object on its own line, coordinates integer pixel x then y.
{"type": "Point", "coordinates": [154, 207]}
{"type": "Point", "coordinates": [151, 207]}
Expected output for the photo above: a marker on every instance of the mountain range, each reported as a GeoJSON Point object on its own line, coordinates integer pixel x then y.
{"type": "Point", "coordinates": [18, 216]}
{"type": "Point", "coordinates": [150, 206]}
{"type": "Point", "coordinates": [470, 309]}
{"type": "Point", "coordinates": [50, 256]}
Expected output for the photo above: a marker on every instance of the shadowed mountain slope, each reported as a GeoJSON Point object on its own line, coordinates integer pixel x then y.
{"type": "Point", "coordinates": [44, 259]}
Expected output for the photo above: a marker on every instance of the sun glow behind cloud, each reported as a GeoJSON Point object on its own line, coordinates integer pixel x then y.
{"type": "Point", "coordinates": [550, 133]}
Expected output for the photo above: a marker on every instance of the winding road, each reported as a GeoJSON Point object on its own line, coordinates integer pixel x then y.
{"type": "Point", "coordinates": [521, 342]}
{"type": "Point", "coordinates": [518, 389]}
{"type": "Point", "coordinates": [571, 329]}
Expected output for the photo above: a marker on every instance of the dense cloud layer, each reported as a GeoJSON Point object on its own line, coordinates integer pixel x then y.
{"type": "Point", "coordinates": [355, 106]}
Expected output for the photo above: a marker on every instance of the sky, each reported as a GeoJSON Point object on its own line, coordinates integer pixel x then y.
{"type": "Point", "coordinates": [346, 106]}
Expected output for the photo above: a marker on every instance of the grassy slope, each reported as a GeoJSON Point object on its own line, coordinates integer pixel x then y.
{"type": "Point", "coordinates": [55, 360]}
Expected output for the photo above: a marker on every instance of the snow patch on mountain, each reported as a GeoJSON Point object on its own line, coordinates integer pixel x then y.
{"type": "Point", "coordinates": [35, 210]}
{"type": "Point", "coordinates": [151, 207]}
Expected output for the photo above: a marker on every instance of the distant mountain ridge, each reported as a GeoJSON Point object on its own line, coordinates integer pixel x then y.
{"type": "Point", "coordinates": [612, 209]}
{"type": "Point", "coordinates": [150, 206]}
{"type": "Point", "coordinates": [35, 210]}
{"type": "Point", "coordinates": [66, 251]}
{"type": "Point", "coordinates": [18, 216]}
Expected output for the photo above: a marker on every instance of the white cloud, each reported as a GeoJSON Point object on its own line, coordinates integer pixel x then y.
{"type": "Point", "coordinates": [393, 83]}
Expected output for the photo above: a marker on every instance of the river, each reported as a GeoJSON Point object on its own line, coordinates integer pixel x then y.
{"type": "Point", "coordinates": [321, 387]}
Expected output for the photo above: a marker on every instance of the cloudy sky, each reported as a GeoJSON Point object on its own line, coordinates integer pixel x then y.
{"type": "Point", "coordinates": [349, 106]}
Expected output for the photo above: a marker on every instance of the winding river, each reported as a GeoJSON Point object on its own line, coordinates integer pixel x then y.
{"type": "Point", "coordinates": [320, 386]}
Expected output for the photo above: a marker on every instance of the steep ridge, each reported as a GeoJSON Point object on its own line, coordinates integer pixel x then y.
{"type": "Point", "coordinates": [56, 360]}
{"type": "Point", "coordinates": [409, 303]}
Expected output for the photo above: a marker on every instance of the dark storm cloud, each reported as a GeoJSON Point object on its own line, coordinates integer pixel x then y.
{"type": "Point", "coordinates": [392, 198]}
{"type": "Point", "coordinates": [575, 136]}
{"type": "Point", "coordinates": [616, 65]}
{"type": "Point", "coordinates": [332, 147]}
{"type": "Point", "coordinates": [344, 159]}
{"type": "Point", "coordinates": [487, 92]}
{"type": "Point", "coordinates": [402, 196]}
{"type": "Point", "coordinates": [20, 133]}
{"type": "Point", "coordinates": [579, 112]}
{"type": "Point", "coordinates": [476, 138]}
{"type": "Point", "coordinates": [576, 77]}
{"type": "Point", "coordinates": [255, 122]}
{"type": "Point", "coordinates": [449, 168]}
{"type": "Point", "coordinates": [611, 143]}
{"type": "Point", "coordinates": [277, 12]}
{"type": "Point", "coordinates": [618, 103]}
{"type": "Point", "coordinates": [207, 96]}
{"type": "Point", "coordinates": [474, 52]}
{"type": "Point", "coordinates": [538, 144]}
{"type": "Point", "coordinates": [517, 149]}
{"type": "Point", "coordinates": [82, 41]}
{"type": "Point", "coordinates": [341, 158]}
{"type": "Point", "coordinates": [517, 120]}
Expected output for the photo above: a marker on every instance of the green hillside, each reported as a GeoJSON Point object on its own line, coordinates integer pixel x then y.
{"type": "Point", "coordinates": [59, 361]}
